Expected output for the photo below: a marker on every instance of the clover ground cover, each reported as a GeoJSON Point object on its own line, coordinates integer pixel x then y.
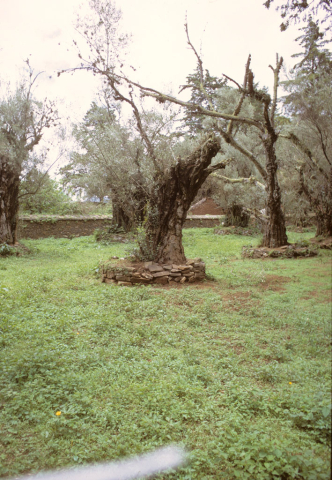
{"type": "Point", "coordinates": [236, 369]}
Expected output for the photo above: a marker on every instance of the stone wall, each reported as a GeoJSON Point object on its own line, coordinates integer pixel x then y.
{"type": "Point", "coordinates": [71, 226]}
{"type": "Point", "coordinates": [203, 221]}
{"type": "Point", "coordinates": [60, 227]}
{"type": "Point", "coordinates": [150, 272]}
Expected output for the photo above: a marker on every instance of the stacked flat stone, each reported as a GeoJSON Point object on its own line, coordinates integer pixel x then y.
{"type": "Point", "coordinates": [150, 272]}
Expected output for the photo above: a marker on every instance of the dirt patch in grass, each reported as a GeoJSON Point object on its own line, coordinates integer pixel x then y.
{"type": "Point", "coordinates": [203, 285]}
{"type": "Point", "coordinates": [232, 300]}
{"type": "Point", "coordinates": [286, 251]}
{"type": "Point", "coordinates": [206, 284]}
{"type": "Point", "coordinates": [237, 301]}
{"type": "Point", "coordinates": [275, 283]}
{"type": "Point", "coordinates": [320, 297]}
{"type": "Point", "coordinates": [324, 268]}
{"type": "Point", "coordinates": [230, 343]}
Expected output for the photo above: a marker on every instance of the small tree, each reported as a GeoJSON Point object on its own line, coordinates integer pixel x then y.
{"type": "Point", "coordinates": [39, 193]}
{"type": "Point", "coordinates": [203, 88]}
{"type": "Point", "coordinates": [23, 121]}
{"type": "Point", "coordinates": [107, 163]}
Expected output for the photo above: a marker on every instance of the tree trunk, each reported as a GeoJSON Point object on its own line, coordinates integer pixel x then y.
{"type": "Point", "coordinates": [120, 219]}
{"type": "Point", "coordinates": [323, 207]}
{"type": "Point", "coordinates": [9, 190]}
{"type": "Point", "coordinates": [275, 227]}
{"type": "Point", "coordinates": [129, 209]}
{"type": "Point", "coordinates": [320, 199]}
{"type": "Point", "coordinates": [140, 197]}
{"type": "Point", "coordinates": [236, 216]}
{"type": "Point", "coordinates": [324, 225]}
{"type": "Point", "coordinates": [175, 193]}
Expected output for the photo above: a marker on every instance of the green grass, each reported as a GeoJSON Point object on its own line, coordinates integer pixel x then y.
{"type": "Point", "coordinates": [205, 366]}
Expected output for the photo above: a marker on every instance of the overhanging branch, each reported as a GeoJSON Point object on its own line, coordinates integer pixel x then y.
{"type": "Point", "coordinates": [250, 180]}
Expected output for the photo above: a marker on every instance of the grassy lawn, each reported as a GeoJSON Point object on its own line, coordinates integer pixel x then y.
{"type": "Point", "coordinates": [236, 369]}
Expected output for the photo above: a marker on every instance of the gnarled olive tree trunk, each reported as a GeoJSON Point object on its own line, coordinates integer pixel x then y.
{"type": "Point", "coordinates": [320, 200]}
{"type": "Point", "coordinates": [236, 216]}
{"type": "Point", "coordinates": [120, 219]}
{"type": "Point", "coordinates": [322, 206]}
{"type": "Point", "coordinates": [129, 208]}
{"type": "Point", "coordinates": [324, 225]}
{"type": "Point", "coordinates": [9, 191]}
{"type": "Point", "coordinates": [175, 193]}
{"type": "Point", "coordinates": [275, 227]}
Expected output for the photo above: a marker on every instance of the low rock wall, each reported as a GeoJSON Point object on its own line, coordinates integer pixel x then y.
{"type": "Point", "coordinates": [60, 227]}
{"type": "Point", "coordinates": [69, 226]}
{"type": "Point", "coordinates": [150, 272]}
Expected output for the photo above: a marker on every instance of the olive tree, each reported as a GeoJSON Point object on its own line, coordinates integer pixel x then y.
{"type": "Point", "coordinates": [23, 120]}
{"type": "Point", "coordinates": [110, 161]}
{"type": "Point", "coordinates": [309, 105]}
{"type": "Point", "coordinates": [175, 180]}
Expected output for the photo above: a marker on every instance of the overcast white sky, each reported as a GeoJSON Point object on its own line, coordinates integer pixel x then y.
{"type": "Point", "coordinates": [227, 30]}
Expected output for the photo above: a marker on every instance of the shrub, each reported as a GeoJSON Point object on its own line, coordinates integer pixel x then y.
{"type": "Point", "coordinates": [6, 250]}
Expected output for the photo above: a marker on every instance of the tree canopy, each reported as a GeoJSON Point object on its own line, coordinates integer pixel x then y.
{"type": "Point", "coordinates": [293, 11]}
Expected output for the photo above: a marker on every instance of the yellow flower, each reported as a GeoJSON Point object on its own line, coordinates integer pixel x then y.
{"type": "Point", "coordinates": [58, 413]}
{"type": "Point", "coordinates": [290, 383]}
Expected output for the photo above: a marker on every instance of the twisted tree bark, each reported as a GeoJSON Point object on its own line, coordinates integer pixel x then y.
{"type": "Point", "coordinates": [321, 203]}
{"type": "Point", "coordinates": [275, 227]}
{"type": "Point", "coordinates": [163, 240]}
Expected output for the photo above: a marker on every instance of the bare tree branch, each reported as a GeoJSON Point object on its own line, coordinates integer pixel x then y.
{"type": "Point", "coordinates": [162, 98]}
{"type": "Point", "coordinates": [251, 180]}
{"type": "Point", "coordinates": [276, 72]}
{"type": "Point", "coordinates": [200, 68]}
{"type": "Point", "coordinates": [242, 97]}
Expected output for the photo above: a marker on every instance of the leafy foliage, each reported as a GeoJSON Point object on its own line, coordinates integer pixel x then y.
{"type": "Point", "coordinates": [6, 250]}
{"type": "Point", "coordinates": [49, 198]}
{"type": "Point", "coordinates": [294, 10]}
{"type": "Point", "coordinates": [309, 104]}
{"type": "Point", "coordinates": [203, 93]}
{"type": "Point", "coordinates": [23, 120]}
